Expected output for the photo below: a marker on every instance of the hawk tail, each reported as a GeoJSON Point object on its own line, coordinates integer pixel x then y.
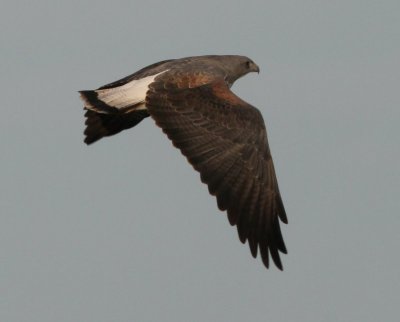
{"type": "Point", "coordinates": [108, 112]}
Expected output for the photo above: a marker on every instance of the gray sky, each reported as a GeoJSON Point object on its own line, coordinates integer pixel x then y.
{"type": "Point", "coordinates": [124, 231]}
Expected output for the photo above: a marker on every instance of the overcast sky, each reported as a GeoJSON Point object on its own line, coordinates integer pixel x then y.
{"type": "Point", "coordinates": [125, 231]}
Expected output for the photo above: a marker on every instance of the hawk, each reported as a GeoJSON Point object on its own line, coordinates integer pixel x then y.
{"type": "Point", "coordinates": [223, 137]}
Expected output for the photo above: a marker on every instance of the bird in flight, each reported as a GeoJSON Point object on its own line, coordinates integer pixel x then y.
{"type": "Point", "coordinates": [223, 137]}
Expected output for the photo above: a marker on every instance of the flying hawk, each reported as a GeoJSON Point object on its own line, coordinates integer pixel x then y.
{"type": "Point", "coordinates": [223, 137]}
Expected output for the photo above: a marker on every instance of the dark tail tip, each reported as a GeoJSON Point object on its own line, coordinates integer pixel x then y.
{"type": "Point", "coordinates": [92, 102]}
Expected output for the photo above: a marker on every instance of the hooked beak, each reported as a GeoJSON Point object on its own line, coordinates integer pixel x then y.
{"type": "Point", "coordinates": [255, 68]}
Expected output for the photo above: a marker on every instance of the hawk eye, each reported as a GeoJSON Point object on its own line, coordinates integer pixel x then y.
{"type": "Point", "coordinates": [248, 64]}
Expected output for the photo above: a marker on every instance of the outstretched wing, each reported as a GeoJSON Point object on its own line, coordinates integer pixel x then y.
{"type": "Point", "coordinates": [224, 138]}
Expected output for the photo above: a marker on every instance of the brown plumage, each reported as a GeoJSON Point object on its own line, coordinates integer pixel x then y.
{"type": "Point", "coordinates": [223, 137]}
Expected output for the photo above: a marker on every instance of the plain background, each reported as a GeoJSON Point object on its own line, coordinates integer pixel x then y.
{"type": "Point", "coordinates": [124, 231]}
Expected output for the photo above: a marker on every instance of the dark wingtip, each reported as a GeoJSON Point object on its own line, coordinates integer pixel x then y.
{"type": "Point", "coordinates": [100, 125]}
{"type": "Point", "coordinates": [89, 140]}
{"type": "Point", "coordinates": [95, 129]}
{"type": "Point", "coordinates": [281, 210]}
{"type": "Point", "coordinates": [253, 246]}
{"type": "Point", "coordinates": [276, 258]}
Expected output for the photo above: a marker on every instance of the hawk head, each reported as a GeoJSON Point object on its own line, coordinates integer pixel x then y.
{"type": "Point", "coordinates": [237, 66]}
